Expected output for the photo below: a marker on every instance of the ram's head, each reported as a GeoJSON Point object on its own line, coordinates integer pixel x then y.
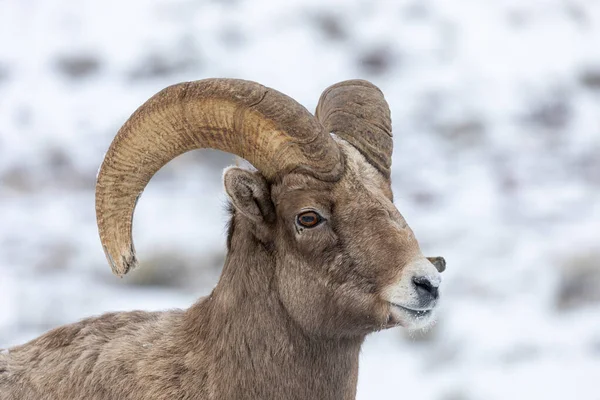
{"type": "Point", "coordinates": [342, 259]}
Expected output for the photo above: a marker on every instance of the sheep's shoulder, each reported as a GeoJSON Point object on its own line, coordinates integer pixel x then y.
{"type": "Point", "coordinates": [100, 355]}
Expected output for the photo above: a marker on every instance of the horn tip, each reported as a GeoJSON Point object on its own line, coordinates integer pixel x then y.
{"type": "Point", "coordinates": [438, 262]}
{"type": "Point", "coordinates": [128, 262]}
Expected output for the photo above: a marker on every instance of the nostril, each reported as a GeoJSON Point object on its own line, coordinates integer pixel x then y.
{"type": "Point", "coordinates": [425, 287]}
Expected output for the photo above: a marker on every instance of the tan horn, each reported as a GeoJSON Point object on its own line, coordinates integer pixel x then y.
{"type": "Point", "coordinates": [267, 128]}
{"type": "Point", "coordinates": [356, 111]}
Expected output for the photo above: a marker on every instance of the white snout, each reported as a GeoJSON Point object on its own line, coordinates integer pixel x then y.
{"type": "Point", "coordinates": [414, 296]}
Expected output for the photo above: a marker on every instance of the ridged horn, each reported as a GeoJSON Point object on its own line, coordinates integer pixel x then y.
{"type": "Point", "coordinates": [267, 128]}
{"type": "Point", "coordinates": [356, 111]}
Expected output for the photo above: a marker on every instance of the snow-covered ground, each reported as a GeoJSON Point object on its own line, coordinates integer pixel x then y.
{"type": "Point", "coordinates": [496, 110]}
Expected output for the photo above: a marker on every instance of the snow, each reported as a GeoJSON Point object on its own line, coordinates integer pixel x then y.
{"type": "Point", "coordinates": [496, 167]}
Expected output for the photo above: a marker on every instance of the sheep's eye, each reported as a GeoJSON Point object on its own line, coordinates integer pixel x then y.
{"type": "Point", "coordinates": [309, 219]}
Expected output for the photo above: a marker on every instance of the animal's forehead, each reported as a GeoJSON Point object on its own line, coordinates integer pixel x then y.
{"type": "Point", "coordinates": [360, 177]}
{"type": "Point", "coordinates": [359, 168]}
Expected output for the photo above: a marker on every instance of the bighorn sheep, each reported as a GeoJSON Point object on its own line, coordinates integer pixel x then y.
{"type": "Point", "coordinates": [318, 256]}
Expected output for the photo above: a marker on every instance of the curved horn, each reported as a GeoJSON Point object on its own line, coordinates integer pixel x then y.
{"type": "Point", "coordinates": [267, 128]}
{"type": "Point", "coordinates": [356, 111]}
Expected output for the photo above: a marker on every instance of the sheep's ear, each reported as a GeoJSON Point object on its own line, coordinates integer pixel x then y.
{"type": "Point", "coordinates": [249, 193]}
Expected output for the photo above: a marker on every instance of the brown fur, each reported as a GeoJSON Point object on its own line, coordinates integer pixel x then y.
{"type": "Point", "coordinates": [286, 320]}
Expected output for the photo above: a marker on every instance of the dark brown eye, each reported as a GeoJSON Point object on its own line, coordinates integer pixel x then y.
{"type": "Point", "coordinates": [309, 219]}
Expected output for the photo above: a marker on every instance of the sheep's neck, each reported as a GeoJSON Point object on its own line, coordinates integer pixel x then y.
{"type": "Point", "coordinates": [257, 350]}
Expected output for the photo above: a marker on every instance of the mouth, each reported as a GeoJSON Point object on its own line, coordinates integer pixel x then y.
{"type": "Point", "coordinates": [410, 317]}
{"type": "Point", "coordinates": [414, 312]}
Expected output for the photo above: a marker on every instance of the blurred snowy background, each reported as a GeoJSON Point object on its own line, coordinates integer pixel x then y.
{"type": "Point", "coordinates": [496, 112]}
